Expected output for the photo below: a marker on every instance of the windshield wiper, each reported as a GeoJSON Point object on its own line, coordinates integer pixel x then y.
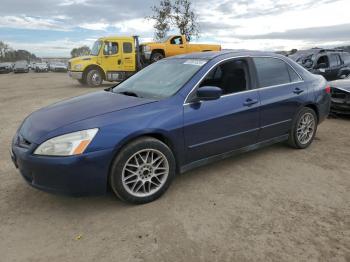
{"type": "Point", "coordinates": [128, 93]}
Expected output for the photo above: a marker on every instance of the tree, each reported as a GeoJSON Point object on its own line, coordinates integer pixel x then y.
{"type": "Point", "coordinates": [178, 14]}
{"type": "Point", "coordinates": [185, 19]}
{"type": "Point", "coordinates": [80, 51]}
{"type": "Point", "coordinates": [161, 15]}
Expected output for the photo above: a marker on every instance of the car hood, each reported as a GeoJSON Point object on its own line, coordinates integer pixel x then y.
{"type": "Point", "coordinates": [341, 84]}
{"type": "Point", "coordinates": [48, 119]}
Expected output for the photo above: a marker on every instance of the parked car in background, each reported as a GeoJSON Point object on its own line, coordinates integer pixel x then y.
{"type": "Point", "coordinates": [41, 67]}
{"type": "Point", "coordinates": [172, 116]}
{"type": "Point", "coordinates": [58, 67]}
{"type": "Point", "coordinates": [21, 67]}
{"type": "Point", "coordinates": [5, 68]}
{"type": "Point", "coordinates": [340, 96]}
{"type": "Point", "coordinates": [331, 63]}
{"type": "Point", "coordinates": [173, 45]}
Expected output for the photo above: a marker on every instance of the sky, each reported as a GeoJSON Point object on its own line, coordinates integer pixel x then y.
{"type": "Point", "coordinates": [52, 28]}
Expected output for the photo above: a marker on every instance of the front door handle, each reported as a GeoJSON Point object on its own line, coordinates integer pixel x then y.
{"type": "Point", "coordinates": [298, 91]}
{"type": "Point", "coordinates": [119, 61]}
{"type": "Point", "coordinates": [250, 102]}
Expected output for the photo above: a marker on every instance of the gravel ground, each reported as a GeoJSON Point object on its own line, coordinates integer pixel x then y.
{"type": "Point", "coordinates": [274, 204]}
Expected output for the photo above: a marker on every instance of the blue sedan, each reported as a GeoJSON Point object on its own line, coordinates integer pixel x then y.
{"type": "Point", "coordinates": [172, 116]}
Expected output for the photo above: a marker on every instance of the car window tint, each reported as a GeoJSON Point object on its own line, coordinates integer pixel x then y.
{"type": "Point", "coordinates": [346, 58]}
{"type": "Point", "coordinates": [294, 77]}
{"type": "Point", "coordinates": [231, 77]}
{"type": "Point", "coordinates": [334, 60]}
{"type": "Point", "coordinates": [271, 71]}
{"type": "Point", "coordinates": [127, 47]}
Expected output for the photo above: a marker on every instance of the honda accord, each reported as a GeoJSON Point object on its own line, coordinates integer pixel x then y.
{"type": "Point", "coordinates": [172, 116]}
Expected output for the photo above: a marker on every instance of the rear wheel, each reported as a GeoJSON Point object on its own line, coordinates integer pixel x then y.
{"type": "Point", "coordinates": [142, 171]}
{"type": "Point", "coordinates": [156, 57]}
{"type": "Point", "coordinates": [304, 129]}
{"type": "Point", "coordinates": [94, 78]}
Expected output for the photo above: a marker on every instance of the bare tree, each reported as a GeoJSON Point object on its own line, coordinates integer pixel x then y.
{"type": "Point", "coordinates": [179, 14]}
{"type": "Point", "coordinates": [161, 15]}
{"type": "Point", "coordinates": [185, 19]}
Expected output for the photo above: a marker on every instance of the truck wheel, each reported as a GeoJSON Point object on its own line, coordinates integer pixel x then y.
{"type": "Point", "coordinates": [142, 171]}
{"type": "Point", "coordinates": [156, 57]}
{"type": "Point", "coordinates": [94, 78]}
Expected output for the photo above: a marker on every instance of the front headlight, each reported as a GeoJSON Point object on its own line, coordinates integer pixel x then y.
{"type": "Point", "coordinates": [78, 67]}
{"type": "Point", "coordinates": [68, 144]}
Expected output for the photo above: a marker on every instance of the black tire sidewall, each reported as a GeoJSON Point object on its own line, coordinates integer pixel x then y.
{"type": "Point", "coordinates": [115, 178]}
{"type": "Point", "coordinates": [294, 139]}
{"type": "Point", "coordinates": [156, 55]}
{"type": "Point", "coordinates": [89, 77]}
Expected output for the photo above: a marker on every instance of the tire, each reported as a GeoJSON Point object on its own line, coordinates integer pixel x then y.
{"type": "Point", "coordinates": [302, 134]}
{"type": "Point", "coordinates": [144, 181]}
{"type": "Point", "coordinates": [94, 78]}
{"type": "Point", "coordinates": [156, 57]}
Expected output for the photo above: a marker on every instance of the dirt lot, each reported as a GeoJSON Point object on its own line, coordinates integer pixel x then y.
{"type": "Point", "coordinates": [274, 204]}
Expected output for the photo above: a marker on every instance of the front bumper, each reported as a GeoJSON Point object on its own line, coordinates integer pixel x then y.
{"type": "Point", "coordinates": [340, 107]}
{"type": "Point", "coordinates": [85, 174]}
{"type": "Point", "coordinates": [76, 75]}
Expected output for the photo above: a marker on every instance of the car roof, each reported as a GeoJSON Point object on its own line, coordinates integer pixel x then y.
{"type": "Point", "coordinates": [226, 53]}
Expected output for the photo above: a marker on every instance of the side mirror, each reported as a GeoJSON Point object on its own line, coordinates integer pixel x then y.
{"type": "Point", "coordinates": [321, 66]}
{"type": "Point", "coordinates": [206, 93]}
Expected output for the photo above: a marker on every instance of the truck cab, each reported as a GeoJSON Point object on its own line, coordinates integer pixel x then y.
{"type": "Point", "coordinates": [171, 46]}
{"type": "Point", "coordinates": [111, 59]}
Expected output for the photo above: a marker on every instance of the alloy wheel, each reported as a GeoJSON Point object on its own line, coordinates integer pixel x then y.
{"type": "Point", "coordinates": [306, 128]}
{"type": "Point", "coordinates": [145, 172]}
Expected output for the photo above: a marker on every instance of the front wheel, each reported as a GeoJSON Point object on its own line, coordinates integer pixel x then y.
{"type": "Point", "coordinates": [304, 129]}
{"type": "Point", "coordinates": [156, 57]}
{"type": "Point", "coordinates": [142, 171]}
{"type": "Point", "coordinates": [94, 78]}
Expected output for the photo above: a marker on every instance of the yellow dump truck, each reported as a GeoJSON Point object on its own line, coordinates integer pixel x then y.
{"type": "Point", "coordinates": [173, 45]}
{"type": "Point", "coordinates": [116, 58]}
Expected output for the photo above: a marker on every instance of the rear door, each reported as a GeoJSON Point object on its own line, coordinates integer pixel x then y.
{"type": "Point", "coordinates": [112, 56]}
{"type": "Point", "coordinates": [282, 92]}
{"type": "Point", "coordinates": [129, 57]}
{"type": "Point", "coordinates": [335, 65]}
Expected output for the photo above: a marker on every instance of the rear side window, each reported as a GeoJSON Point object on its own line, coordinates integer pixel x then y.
{"type": "Point", "coordinates": [127, 48]}
{"type": "Point", "coordinates": [273, 71]}
{"type": "Point", "coordinates": [334, 60]}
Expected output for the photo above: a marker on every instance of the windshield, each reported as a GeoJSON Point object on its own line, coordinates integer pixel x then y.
{"type": "Point", "coordinates": [164, 39]}
{"type": "Point", "coordinates": [161, 79]}
{"type": "Point", "coordinates": [96, 48]}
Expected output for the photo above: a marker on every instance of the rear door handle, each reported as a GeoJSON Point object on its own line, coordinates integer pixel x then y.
{"type": "Point", "coordinates": [298, 91]}
{"type": "Point", "coordinates": [250, 102]}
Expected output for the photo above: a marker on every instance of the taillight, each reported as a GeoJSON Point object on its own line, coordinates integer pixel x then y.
{"type": "Point", "coordinates": [328, 89]}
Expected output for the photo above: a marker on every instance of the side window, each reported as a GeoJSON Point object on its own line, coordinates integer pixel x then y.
{"type": "Point", "coordinates": [322, 60]}
{"type": "Point", "coordinates": [231, 77]}
{"type": "Point", "coordinates": [110, 48]}
{"type": "Point", "coordinates": [334, 60]}
{"type": "Point", "coordinates": [271, 71]}
{"type": "Point", "coordinates": [346, 58]}
{"type": "Point", "coordinates": [294, 77]}
{"type": "Point", "coordinates": [177, 40]}
{"type": "Point", "coordinates": [127, 48]}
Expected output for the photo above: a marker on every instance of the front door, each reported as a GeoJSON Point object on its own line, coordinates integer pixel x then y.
{"type": "Point", "coordinates": [176, 46]}
{"type": "Point", "coordinates": [112, 56]}
{"type": "Point", "coordinates": [226, 124]}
